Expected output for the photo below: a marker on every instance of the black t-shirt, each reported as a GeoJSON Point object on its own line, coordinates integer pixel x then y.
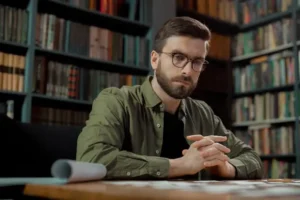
{"type": "Point", "coordinates": [174, 141]}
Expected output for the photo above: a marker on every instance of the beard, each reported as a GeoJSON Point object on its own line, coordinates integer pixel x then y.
{"type": "Point", "coordinates": [176, 92]}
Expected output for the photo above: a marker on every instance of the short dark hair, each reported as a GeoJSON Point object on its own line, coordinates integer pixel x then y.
{"type": "Point", "coordinates": [181, 26]}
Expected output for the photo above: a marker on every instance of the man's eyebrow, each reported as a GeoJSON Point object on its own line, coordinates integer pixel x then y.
{"type": "Point", "coordinates": [178, 51]}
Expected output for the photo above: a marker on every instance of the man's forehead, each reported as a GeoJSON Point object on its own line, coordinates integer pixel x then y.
{"type": "Point", "coordinates": [188, 46]}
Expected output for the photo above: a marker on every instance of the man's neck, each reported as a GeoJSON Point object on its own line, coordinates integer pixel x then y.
{"type": "Point", "coordinates": [170, 103]}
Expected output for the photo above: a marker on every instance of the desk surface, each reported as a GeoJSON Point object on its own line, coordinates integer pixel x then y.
{"type": "Point", "coordinates": [130, 190]}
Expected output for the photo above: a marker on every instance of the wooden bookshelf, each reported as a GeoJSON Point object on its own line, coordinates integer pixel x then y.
{"type": "Point", "coordinates": [265, 104]}
{"type": "Point", "coordinates": [66, 49]}
{"type": "Point", "coordinates": [260, 74]}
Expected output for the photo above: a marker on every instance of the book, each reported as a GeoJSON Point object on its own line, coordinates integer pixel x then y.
{"type": "Point", "coordinates": [63, 171]}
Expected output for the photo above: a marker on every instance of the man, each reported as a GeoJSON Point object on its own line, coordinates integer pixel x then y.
{"type": "Point", "coordinates": [156, 131]}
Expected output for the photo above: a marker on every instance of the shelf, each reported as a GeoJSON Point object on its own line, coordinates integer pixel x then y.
{"type": "Point", "coordinates": [263, 122]}
{"type": "Point", "coordinates": [265, 90]}
{"type": "Point", "coordinates": [214, 24]}
{"type": "Point", "coordinates": [13, 47]}
{"type": "Point", "coordinates": [221, 62]}
{"type": "Point", "coordinates": [61, 100]}
{"type": "Point", "coordinates": [15, 3]}
{"type": "Point", "coordinates": [279, 157]}
{"type": "Point", "coordinates": [93, 63]}
{"type": "Point", "coordinates": [265, 20]}
{"type": "Point", "coordinates": [263, 52]}
{"type": "Point", "coordinates": [11, 95]}
{"type": "Point", "coordinates": [92, 18]}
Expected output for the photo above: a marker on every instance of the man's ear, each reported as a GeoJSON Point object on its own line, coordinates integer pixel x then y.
{"type": "Point", "coordinates": [154, 59]}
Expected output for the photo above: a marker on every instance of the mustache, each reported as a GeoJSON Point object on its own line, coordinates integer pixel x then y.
{"type": "Point", "coordinates": [183, 78]}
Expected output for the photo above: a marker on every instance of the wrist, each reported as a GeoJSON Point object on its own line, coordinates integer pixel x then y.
{"type": "Point", "coordinates": [177, 168]}
{"type": "Point", "coordinates": [230, 171]}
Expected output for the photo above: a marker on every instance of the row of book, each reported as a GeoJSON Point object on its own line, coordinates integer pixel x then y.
{"type": "Point", "coordinates": [214, 47]}
{"type": "Point", "coordinates": [253, 10]}
{"type": "Point", "coordinates": [47, 115]}
{"type": "Point", "coordinates": [58, 116]}
{"type": "Point", "coordinates": [220, 9]}
{"type": "Point", "coordinates": [267, 140]}
{"type": "Point", "coordinates": [278, 169]}
{"type": "Point", "coordinates": [13, 24]}
{"type": "Point", "coordinates": [268, 106]}
{"type": "Point", "coordinates": [12, 72]}
{"type": "Point", "coordinates": [115, 7]}
{"type": "Point", "coordinates": [64, 80]}
{"type": "Point", "coordinates": [265, 72]}
{"type": "Point", "coordinates": [265, 37]}
{"type": "Point", "coordinates": [55, 33]}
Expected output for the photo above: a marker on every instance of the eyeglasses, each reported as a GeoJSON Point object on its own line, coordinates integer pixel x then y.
{"type": "Point", "coordinates": [180, 60]}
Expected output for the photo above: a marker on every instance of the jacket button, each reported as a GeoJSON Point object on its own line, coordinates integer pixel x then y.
{"type": "Point", "coordinates": [158, 125]}
{"type": "Point", "coordinates": [158, 173]}
{"type": "Point", "coordinates": [157, 151]}
{"type": "Point", "coordinates": [128, 173]}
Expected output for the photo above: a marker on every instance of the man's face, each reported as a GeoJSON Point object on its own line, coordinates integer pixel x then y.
{"type": "Point", "coordinates": [178, 82]}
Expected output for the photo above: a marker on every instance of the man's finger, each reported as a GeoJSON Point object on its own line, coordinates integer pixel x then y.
{"type": "Point", "coordinates": [221, 147]}
{"type": "Point", "coordinates": [219, 156]}
{"type": "Point", "coordinates": [202, 143]}
{"type": "Point", "coordinates": [195, 137]}
{"type": "Point", "coordinates": [209, 151]}
{"type": "Point", "coordinates": [214, 162]}
{"type": "Point", "coordinates": [217, 138]}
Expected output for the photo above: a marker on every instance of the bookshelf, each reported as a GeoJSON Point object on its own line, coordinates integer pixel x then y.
{"type": "Point", "coordinates": [214, 86]}
{"type": "Point", "coordinates": [266, 84]}
{"type": "Point", "coordinates": [52, 51]}
{"type": "Point", "coordinates": [263, 86]}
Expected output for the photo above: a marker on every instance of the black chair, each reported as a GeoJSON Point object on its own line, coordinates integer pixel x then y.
{"type": "Point", "coordinates": [29, 150]}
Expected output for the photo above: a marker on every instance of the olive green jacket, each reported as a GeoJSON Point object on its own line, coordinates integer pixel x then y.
{"type": "Point", "coordinates": [125, 133]}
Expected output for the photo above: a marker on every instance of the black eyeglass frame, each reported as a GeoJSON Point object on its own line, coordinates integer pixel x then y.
{"type": "Point", "coordinates": [172, 55]}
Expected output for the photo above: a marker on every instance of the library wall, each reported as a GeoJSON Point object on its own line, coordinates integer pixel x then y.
{"type": "Point", "coordinates": [57, 55]}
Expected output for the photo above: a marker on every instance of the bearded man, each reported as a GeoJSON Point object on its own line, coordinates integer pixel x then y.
{"type": "Point", "coordinates": [155, 130]}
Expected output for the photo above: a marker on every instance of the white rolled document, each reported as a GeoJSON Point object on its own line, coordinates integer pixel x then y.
{"type": "Point", "coordinates": [76, 171]}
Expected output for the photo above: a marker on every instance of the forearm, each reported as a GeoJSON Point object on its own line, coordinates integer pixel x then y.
{"type": "Point", "coordinates": [248, 165]}
{"type": "Point", "coordinates": [127, 165]}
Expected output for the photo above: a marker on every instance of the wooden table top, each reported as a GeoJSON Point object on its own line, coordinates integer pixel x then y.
{"type": "Point", "coordinates": [131, 190]}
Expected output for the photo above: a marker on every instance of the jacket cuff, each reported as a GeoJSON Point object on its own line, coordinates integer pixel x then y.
{"type": "Point", "coordinates": [158, 167]}
{"type": "Point", "coordinates": [240, 168]}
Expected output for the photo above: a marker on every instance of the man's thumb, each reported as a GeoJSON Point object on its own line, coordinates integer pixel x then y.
{"type": "Point", "coordinates": [184, 151]}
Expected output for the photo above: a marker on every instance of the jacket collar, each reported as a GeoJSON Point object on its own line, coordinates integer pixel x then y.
{"type": "Point", "coordinates": [152, 99]}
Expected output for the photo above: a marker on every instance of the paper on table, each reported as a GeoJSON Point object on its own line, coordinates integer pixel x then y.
{"type": "Point", "coordinates": [76, 171]}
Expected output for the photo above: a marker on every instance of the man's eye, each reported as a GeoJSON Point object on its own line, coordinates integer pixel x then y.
{"type": "Point", "coordinates": [179, 57]}
{"type": "Point", "coordinates": [198, 62]}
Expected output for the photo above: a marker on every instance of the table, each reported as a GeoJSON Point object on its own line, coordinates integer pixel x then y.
{"type": "Point", "coordinates": [152, 190]}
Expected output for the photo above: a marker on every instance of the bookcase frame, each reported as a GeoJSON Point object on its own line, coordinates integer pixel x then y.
{"type": "Point", "coordinates": [133, 27]}
{"type": "Point", "coordinates": [293, 13]}
{"type": "Point", "coordinates": [230, 29]}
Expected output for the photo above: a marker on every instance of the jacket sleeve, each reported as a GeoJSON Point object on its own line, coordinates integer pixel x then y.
{"type": "Point", "coordinates": [101, 141]}
{"type": "Point", "coordinates": [246, 161]}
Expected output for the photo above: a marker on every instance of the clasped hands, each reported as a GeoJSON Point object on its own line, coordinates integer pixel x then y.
{"type": "Point", "coordinates": [207, 153]}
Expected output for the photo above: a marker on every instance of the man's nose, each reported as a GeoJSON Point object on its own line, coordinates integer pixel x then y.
{"type": "Point", "coordinates": [188, 69]}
